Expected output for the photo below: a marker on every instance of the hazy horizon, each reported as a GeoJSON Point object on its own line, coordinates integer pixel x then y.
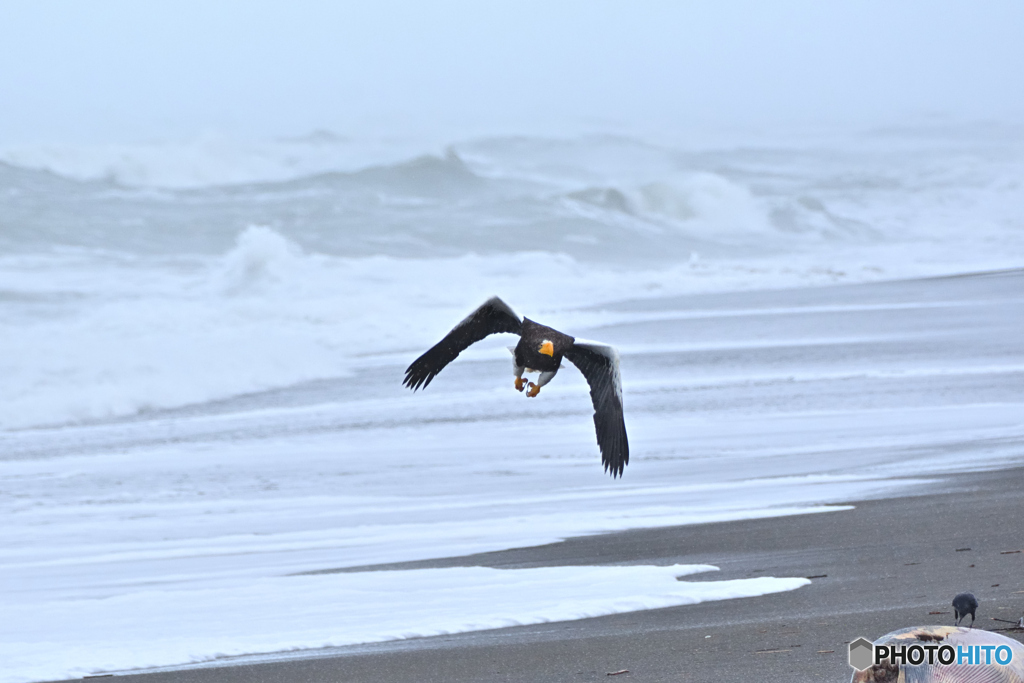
{"type": "Point", "coordinates": [115, 72]}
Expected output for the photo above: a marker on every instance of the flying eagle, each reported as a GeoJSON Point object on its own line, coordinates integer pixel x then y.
{"type": "Point", "coordinates": [540, 349]}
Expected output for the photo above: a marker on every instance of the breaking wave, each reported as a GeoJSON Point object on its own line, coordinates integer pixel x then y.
{"type": "Point", "coordinates": [142, 282]}
{"type": "Point", "coordinates": [209, 160]}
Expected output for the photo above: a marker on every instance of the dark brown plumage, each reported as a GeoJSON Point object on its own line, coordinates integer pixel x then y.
{"type": "Point", "coordinates": [540, 349]}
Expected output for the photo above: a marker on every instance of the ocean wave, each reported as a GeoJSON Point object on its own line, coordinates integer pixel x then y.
{"type": "Point", "coordinates": [703, 205]}
{"type": "Point", "coordinates": [116, 300]}
{"type": "Point", "coordinates": [210, 160]}
{"type": "Point", "coordinates": [93, 335]}
{"type": "Point", "coordinates": [594, 199]}
{"type": "Point", "coordinates": [711, 208]}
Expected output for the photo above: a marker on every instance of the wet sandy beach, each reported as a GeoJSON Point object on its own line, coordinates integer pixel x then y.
{"type": "Point", "coordinates": [884, 565]}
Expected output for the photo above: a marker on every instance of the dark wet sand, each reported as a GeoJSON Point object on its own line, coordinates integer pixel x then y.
{"type": "Point", "coordinates": [886, 565]}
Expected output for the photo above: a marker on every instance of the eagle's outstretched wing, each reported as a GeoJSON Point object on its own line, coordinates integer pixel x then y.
{"type": "Point", "coordinates": [492, 317]}
{"type": "Point", "coordinates": [599, 363]}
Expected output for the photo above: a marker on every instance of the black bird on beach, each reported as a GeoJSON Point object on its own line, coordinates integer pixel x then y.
{"type": "Point", "coordinates": [540, 349]}
{"type": "Point", "coordinates": [964, 604]}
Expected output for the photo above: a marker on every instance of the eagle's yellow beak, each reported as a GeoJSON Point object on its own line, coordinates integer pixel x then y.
{"type": "Point", "coordinates": [548, 349]}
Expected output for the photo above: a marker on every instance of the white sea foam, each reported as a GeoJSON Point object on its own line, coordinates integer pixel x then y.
{"type": "Point", "coordinates": [95, 335]}
{"type": "Point", "coordinates": [201, 390]}
{"type": "Point", "coordinates": [178, 540]}
{"type": "Point", "coordinates": [331, 610]}
{"type": "Point", "coordinates": [131, 333]}
{"type": "Point", "coordinates": [705, 205]}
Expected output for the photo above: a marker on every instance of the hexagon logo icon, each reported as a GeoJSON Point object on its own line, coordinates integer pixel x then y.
{"type": "Point", "coordinates": [861, 651]}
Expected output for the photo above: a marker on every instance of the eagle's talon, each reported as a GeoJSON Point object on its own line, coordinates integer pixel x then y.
{"type": "Point", "coordinates": [533, 390]}
{"type": "Point", "coordinates": [520, 383]}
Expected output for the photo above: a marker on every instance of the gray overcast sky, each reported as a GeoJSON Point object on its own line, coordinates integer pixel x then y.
{"type": "Point", "coordinates": [107, 71]}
